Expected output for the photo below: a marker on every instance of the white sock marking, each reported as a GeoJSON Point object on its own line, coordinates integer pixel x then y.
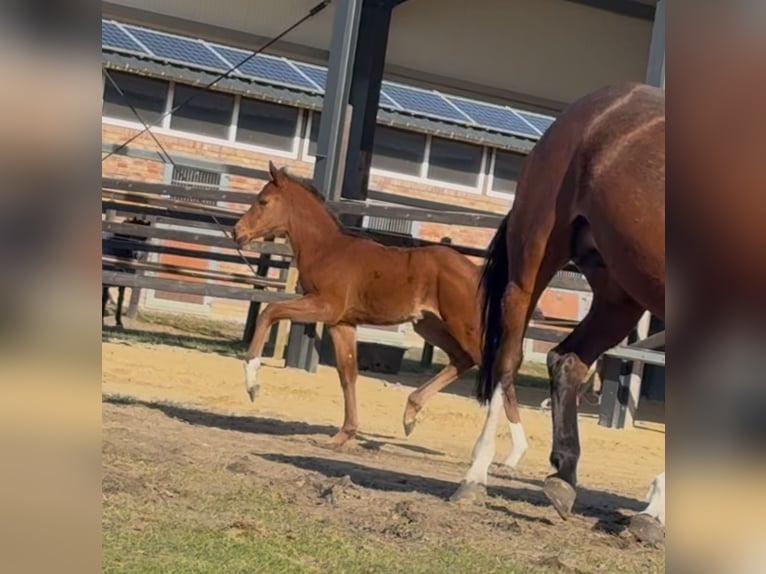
{"type": "Point", "coordinates": [656, 498]}
{"type": "Point", "coordinates": [484, 450]}
{"type": "Point", "coordinates": [518, 445]}
{"type": "Point", "coordinates": [251, 368]}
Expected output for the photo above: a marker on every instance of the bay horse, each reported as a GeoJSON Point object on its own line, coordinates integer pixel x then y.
{"type": "Point", "coordinates": [349, 280]}
{"type": "Point", "coordinates": [591, 191]}
{"type": "Point", "coordinates": [128, 250]}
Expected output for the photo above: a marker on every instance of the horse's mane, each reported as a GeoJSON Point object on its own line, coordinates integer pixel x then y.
{"type": "Point", "coordinates": [306, 184]}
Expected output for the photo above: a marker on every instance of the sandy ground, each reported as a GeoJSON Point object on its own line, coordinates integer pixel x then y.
{"type": "Point", "coordinates": [199, 398]}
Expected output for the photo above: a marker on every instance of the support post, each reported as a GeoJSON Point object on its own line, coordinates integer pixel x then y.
{"type": "Point", "coordinates": [375, 20]}
{"type": "Point", "coordinates": [655, 69]}
{"type": "Point", "coordinates": [303, 341]}
{"type": "Point", "coordinates": [621, 384]}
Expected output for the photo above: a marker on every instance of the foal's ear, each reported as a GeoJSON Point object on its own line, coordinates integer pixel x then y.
{"type": "Point", "coordinates": [278, 176]}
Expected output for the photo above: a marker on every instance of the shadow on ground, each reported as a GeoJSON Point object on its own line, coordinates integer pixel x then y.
{"type": "Point", "coordinates": [606, 507]}
{"type": "Point", "coordinates": [265, 426]}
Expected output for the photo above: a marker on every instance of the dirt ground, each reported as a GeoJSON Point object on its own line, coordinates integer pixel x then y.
{"type": "Point", "coordinates": [169, 408]}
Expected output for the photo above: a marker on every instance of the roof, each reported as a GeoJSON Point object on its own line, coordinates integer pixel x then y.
{"type": "Point", "coordinates": [195, 61]}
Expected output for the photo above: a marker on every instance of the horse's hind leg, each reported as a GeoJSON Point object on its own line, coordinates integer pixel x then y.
{"type": "Point", "coordinates": [612, 315]}
{"type": "Point", "coordinates": [648, 525]}
{"type": "Point", "coordinates": [531, 269]}
{"type": "Point", "coordinates": [436, 332]}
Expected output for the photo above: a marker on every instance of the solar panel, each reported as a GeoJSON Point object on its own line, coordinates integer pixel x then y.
{"type": "Point", "coordinates": [494, 117]}
{"type": "Point", "coordinates": [317, 74]}
{"type": "Point", "coordinates": [182, 50]}
{"type": "Point", "coordinates": [386, 102]}
{"type": "Point", "coordinates": [422, 102]}
{"type": "Point", "coordinates": [279, 71]}
{"type": "Point", "coordinates": [542, 123]}
{"type": "Point", "coordinates": [264, 67]}
{"type": "Point", "coordinates": [113, 37]}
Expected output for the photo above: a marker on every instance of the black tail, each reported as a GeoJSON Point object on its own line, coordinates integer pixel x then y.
{"type": "Point", "coordinates": [494, 280]}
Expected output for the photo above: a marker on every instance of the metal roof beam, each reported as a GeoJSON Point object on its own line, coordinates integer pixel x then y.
{"type": "Point", "coordinates": [643, 9]}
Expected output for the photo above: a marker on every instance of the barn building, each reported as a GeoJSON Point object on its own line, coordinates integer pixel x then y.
{"type": "Point", "coordinates": [446, 98]}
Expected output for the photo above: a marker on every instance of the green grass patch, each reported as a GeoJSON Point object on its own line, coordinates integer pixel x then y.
{"type": "Point", "coordinates": [277, 539]}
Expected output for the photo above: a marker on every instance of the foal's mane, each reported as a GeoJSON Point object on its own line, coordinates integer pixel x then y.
{"type": "Point", "coordinates": [307, 185]}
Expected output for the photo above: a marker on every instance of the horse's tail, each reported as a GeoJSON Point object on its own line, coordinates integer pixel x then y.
{"type": "Point", "coordinates": [494, 280]}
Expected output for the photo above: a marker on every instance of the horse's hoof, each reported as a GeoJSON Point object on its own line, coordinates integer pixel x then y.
{"type": "Point", "coordinates": [410, 417]}
{"type": "Point", "coordinates": [409, 426]}
{"type": "Point", "coordinates": [647, 529]}
{"type": "Point", "coordinates": [341, 438]}
{"type": "Point", "coordinates": [470, 493]}
{"type": "Point", "coordinates": [561, 494]}
{"type": "Point", "coordinates": [252, 392]}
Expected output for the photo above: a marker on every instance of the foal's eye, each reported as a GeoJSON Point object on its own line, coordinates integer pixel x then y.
{"type": "Point", "coordinates": [262, 201]}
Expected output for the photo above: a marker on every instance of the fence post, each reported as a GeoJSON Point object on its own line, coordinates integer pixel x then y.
{"type": "Point", "coordinates": [283, 327]}
{"type": "Point", "coordinates": [254, 310]}
{"type": "Point", "coordinates": [135, 292]}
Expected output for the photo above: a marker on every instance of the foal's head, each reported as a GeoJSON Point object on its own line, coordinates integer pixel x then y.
{"type": "Point", "coordinates": [270, 214]}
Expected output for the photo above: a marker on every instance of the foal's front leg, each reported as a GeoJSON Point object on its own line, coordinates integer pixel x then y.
{"type": "Point", "coordinates": [308, 309]}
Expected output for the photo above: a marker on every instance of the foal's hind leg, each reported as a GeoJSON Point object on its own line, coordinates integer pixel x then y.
{"type": "Point", "coordinates": [436, 332]}
{"type": "Point", "coordinates": [344, 342]}
{"type": "Point", "coordinates": [611, 316]}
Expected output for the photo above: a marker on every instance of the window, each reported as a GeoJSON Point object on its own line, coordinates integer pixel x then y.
{"type": "Point", "coordinates": [208, 114]}
{"type": "Point", "coordinates": [454, 162]}
{"type": "Point", "coordinates": [147, 95]}
{"type": "Point", "coordinates": [266, 124]}
{"type": "Point", "coordinates": [398, 151]}
{"type": "Point", "coordinates": [314, 133]}
{"type": "Point", "coordinates": [506, 172]}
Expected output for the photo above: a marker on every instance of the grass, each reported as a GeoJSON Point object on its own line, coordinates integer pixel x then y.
{"type": "Point", "coordinates": [300, 548]}
{"type": "Point", "coordinates": [145, 536]}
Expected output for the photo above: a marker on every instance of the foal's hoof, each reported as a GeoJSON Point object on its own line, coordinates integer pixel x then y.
{"type": "Point", "coordinates": [341, 438]}
{"type": "Point", "coordinates": [647, 529]}
{"type": "Point", "coordinates": [252, 392]}
{"type": "Point", "coordinates": [470, 493]}
{"type": "Point", "coordinates": [410, 417]}
{"type": "Point", "coordinates": [561, 494]}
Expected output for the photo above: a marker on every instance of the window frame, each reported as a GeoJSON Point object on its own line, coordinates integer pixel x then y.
{"type": "Point", "coordinates": [136, 122]}
{"type": "Point", "coordinates": [491, 191]}
{"type": "Point", "coordinates": [481, 176]}
{"type": "Point", "coordinates": [229, 142]}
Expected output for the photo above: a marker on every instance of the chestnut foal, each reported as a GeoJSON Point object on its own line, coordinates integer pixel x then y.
{"type": "Point", "coordinates": [349, 280]}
